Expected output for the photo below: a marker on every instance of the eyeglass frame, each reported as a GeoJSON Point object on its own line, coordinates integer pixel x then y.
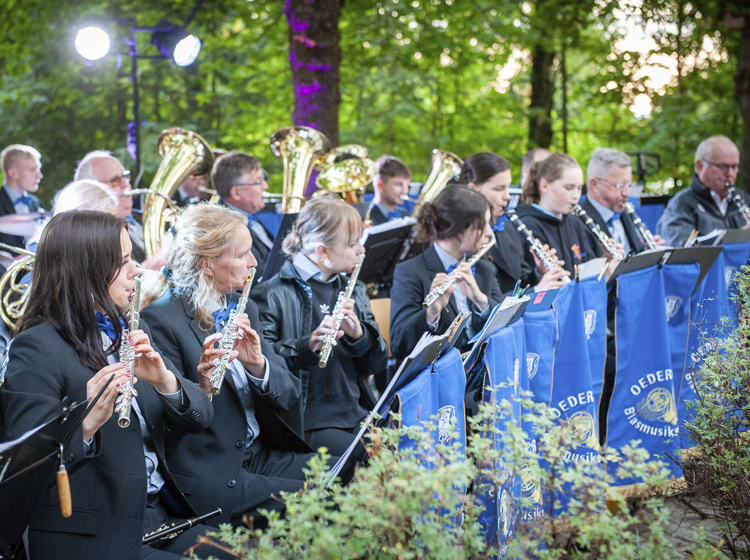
{"type": "Point", "coordinates": [723, 167]}
{"type": "Point", "coordinates": [116, 181]}
{"type": "Point", "coordinates": [619, 186]}
{"type": "Point", "coordinates": [255, 184]}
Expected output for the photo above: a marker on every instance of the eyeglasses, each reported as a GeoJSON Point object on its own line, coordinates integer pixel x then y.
{"type": "Point", "coordinates": [256, 184]}
{"type": "Point", "coordinates": [723, 167]}
{"type": "Point", "coordinates": [618, 186]}
{"type": "Point", "coordinates": [117, 181]}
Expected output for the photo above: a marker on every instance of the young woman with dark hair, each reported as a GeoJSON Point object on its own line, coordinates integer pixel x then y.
{"type": "Point", "coordinates": [489, 174]}
{"type": "Point", "coordinates": [455, 224]}
{"type": "Point", "coordinates": [66, 347]}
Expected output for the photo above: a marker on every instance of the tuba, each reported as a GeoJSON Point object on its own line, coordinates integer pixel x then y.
{"type": "Point", "coordinates": [445, 166]}
{"type": "Point", "coordinates": [15, 292]}
{"type": "Point", "coordinates": [298, 147]}
{"type": "Point", "coordinates": [348, 178]}
{"type": "Point", "coordinates": [183, 153]}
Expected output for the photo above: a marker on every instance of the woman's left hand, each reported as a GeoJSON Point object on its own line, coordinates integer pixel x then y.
{"type": "Point", "coordinates": [350, 323]}
{"type": "Point", "coordinates": [248, 346]}
{"type": "Point", "coordinates": [149, 366]}
{"type": "Point", "coordinates": [468, 285]}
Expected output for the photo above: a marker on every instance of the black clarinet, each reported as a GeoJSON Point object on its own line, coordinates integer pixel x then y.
{"type": "Point", "coordinates": [171, 531]}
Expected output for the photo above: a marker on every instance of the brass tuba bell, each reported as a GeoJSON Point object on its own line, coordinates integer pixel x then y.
{"type": "Point", "coordinates": [445, 166]}
{"type": "Point", "coordinates": [348, 178]}
{"type": "Point", "coordinates": [298, 147]}
{"type": "Point", "coordinates": [183, 153]}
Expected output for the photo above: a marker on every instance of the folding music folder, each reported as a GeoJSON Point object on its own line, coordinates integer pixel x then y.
{"type": "Point", "coordinates": [383, 245]}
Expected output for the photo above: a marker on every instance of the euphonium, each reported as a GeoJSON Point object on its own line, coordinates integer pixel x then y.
{"type": "Point", "coordinates": [445, 166]}
{"type": "Point", "coordinates": [298, 147]}
{"type": "Point", "coordinates": [535, 244]}
{"type": "Point", "coordinates": [183, 153]}
{"type": "Point", "coordinates": [348, 178]}
{"type": "Point", "coordinates": [607, 242]}
{"type": "Point", "coordinates": [11, 284]}
{"type": "Point", "coordinates": [124, 400]}
{"type": "Point", "coordinates": [648, 238]}
{"type": "Point", "coordinates": [737, 197]}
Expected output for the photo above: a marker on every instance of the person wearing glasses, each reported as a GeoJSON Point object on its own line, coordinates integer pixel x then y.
{"type": "Point", "coordinates": [22, 171]}
{"type": "Point", "coordinates": [706, 204]}
{"type": "Point", "coordinates": [610, 178]}
{"type": "Point", "coordinates": [240, 181]}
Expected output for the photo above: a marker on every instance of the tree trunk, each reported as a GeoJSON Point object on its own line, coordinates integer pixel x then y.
{"type": "Point", "coordinates": [315, 56]}
{"type": "Point", "coordinates": [542, 97]}
{"type": "Point", "coordinates": [742, 90]}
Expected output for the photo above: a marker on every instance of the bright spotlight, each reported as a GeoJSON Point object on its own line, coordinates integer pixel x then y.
{"type": "Point", "coordinates": [92, 43]}
{"type": "Point", "coordinates": [186, 50]}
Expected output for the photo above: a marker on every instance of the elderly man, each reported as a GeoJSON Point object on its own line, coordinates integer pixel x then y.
{"type": "Point", "coordinates": [610, 178]}
{"type": "Point", "coordinates": [22, 170]}
{"type": "Point", "coordinates": [239, 179]}
{"type": "Point", "coordinates": [706, 205]}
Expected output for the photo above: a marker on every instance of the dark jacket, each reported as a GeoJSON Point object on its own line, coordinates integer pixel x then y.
{"type": "Point", "coordinates": [285, 305]}
{"type": "Point", "coordinates": [108, 489]}
{"type": "Point", "coordinates": [509, 262]}
{"type": "Point", "coordinates": [569, 236]}
{"type": "Point", "coordinates": [208, 465]}
{"type": "Point", "coordinates": [631, 232]}
{"type": "Point", "coordinates": [7, 207]}
{"type": "Point", "coordinates": [693, 208]}
{"type": "Point", "coordinates": [377, 217]}
{"type": "Point", "coordinates": [411, 283]}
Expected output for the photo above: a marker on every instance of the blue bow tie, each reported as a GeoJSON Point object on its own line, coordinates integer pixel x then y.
{"type": "Point", "coordinates": [23, 200]}
{"type": "Point", "coordinates": [105, 325]}
{"type": "Point", "coordinates": [130, 219]}
{"type": "Point", "coordinates": [251, 220]}
{"type": "Point", "coordinates": [222, 315]}
{"type": "Point", "coordinates": [500, 224]}
{"type": "Point", "coordinates": [393, 215]}
{"type": "Point", "coordinates": [453, 267]}
{"type": "Point", "coordinates": [615, 216]}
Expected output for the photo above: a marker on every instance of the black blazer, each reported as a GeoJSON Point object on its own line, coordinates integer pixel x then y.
{"type": "Point", "coordinates": [108, 489]}
{"type": "Point", "coordinates": [509, 261]}
{"type": "Point", "coordinates": [207, 465]}
{"type": "Point", "coordinates": [631, 232]}
{"type": "Point", "coordinates": [377, 217]}
{"type": "Point", "coordinates": [7, 207]}
{"type": "Point", "coordinates": [411, 283]}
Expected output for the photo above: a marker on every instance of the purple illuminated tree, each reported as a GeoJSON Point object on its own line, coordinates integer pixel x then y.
{"type": "Point", "coordinates": [314, 57]}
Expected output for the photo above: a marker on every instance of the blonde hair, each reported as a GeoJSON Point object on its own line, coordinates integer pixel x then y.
{"type": "Point", "coordinates": [325, 220]}
{"type": "Point", "coordinates": [14, 154]}
{"type": "Point", "coordinates": [85, 195]}
{"type": "Point", "coordinates": [202, 230]}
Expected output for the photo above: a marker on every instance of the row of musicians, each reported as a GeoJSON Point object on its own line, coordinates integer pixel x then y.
{"type": "Point", "coordinates": [239, 451]}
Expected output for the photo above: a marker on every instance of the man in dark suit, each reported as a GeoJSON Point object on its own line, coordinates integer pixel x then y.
{"type": "Point", "coordinates": [391, 183]}
{"type": "Point", "coordinates": [239, 179]}
{"type": "Point", "coordinates": [191, 191]}
{"type": "Point", "coordinates": [22, 170]}
{"type": "Point", "coordinates": [610, 178]}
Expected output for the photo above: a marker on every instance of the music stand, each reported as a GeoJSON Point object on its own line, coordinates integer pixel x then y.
{"type": "Point", "coordinates": [383, 245]}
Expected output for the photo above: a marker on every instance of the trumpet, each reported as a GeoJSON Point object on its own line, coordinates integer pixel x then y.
{"type": "Point", "coordinates": [606, 241]}
{"type": "Point", "coordinates": [124, 400]}
{"type": "Point", "coordinates": [536, 245]}
{"type": "Point", "coordinates": [346, 293]}
{"type": "Point", "coordinates": [435, 294]}
{"type": "Point", "coordinates": [737, 197]}
{"type": "Point", "coordinates": [648, 238]}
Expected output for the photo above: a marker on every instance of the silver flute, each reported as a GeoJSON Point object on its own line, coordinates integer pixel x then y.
{"type": "Point", "coordinates": [648, 239]}
{"type": "Point", "coordinates": [330, 339]}
{"type": "Point", "coordinates": [536, 245]}
{"type": "Point", "coordinates": [607, 242]}
{"type": "Point", "coordinates": [124, 400]}
{"type": "Point", "coordinates": [435, 294]}
{"type": "Point", "coordinates": [737, 197]}
{"type": "Point", "coordinates": [230, 335]}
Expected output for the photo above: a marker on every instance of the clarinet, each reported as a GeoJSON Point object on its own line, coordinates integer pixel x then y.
{"type": "Point", "coordinates": [536, 245]}
{"type": "Point", "coordinates": [230, 335]}
{"type": "Point", "coordinates": [171, 531]}
{"type": "Point", "coordinates": [433, 296]}
{"type": "Point", "coordinates": [648, 239]}
{"type": "Point", "coordinates": [338, 317]}
{"type": "Point", "coordinates": [124, 400]}
{"type": "Point", "coordinates": [737, 197]}
{"type": "Point", "coordinates": [603, 238]}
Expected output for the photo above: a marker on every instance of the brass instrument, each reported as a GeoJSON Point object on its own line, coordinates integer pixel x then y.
{"type": "Point", "coordinates": [648, 238]}
{"type": "Point", "coordinates": [445, 166]}
{"type": "Point", "coordinates": [607, 242]}
{"type": "Point", "coordinates": [536, 245]}
{"type": "Point", "coordinates": [298, 147]}
{"type": "Point", "coordinates": [12, 285]}
{"type": "Point", "coordinates": [183, 153]}
{"type": "Point", "coordinates": [435, 294]}
{"type": "Point", "coordinates": [123, 403]}
{"type": "Point", "coordinates": [346, 293]}
{"type": "Point", "coordinates": [356, 150]}
{"type": "Point", "coordinates": [230, 335]}
{"type": "Point", "coordinates": [348, 178]}
{"type": "Point", "coordinates": [737, 197]}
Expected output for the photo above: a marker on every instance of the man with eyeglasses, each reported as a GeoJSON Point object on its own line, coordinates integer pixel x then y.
{"type": "Point", "coordinates": [610, 178]}
{"type": "Point", "coordinates": [706, 205]}
{"type": "Point", "coordinates": [239, 180]}
{"type": "Point", "coordinates": [22, 171]}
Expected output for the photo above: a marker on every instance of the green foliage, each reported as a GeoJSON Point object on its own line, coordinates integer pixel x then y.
{"type": "Point", "coordinates": [410, 501]}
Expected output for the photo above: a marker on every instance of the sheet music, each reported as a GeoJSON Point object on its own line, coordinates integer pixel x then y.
{"type": "Point", "coordinates": [501, 315]}
{"type": "Point", "coordinates": [591, 268]}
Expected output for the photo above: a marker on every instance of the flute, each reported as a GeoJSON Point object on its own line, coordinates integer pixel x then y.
{"type": "Point", "coordinates": [648, 239]}
{"type": "Point", "coordinates": [606, 241]}
{"type": "Point", "coordinates": [124, 400]}
{"type": "Point", "coordinates": [230, 335]}
{"type": "Point", "coordinates": [536, 245]}
{"type": "Point", "coordinates": [435, 294]}
{"type": "Point", "coordinates": [338, 317]}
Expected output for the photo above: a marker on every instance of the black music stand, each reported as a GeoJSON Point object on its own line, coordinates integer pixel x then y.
{"type": "Point", "coordinates": [383, 245]}
{"type": "Point", "coordinates": [276, 257]}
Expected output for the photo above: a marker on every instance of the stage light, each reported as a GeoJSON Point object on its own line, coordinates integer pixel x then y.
{"type": "Point", "coordinates": [175, 43]}
{"type": "Point", "coordinates": [92, 43]}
